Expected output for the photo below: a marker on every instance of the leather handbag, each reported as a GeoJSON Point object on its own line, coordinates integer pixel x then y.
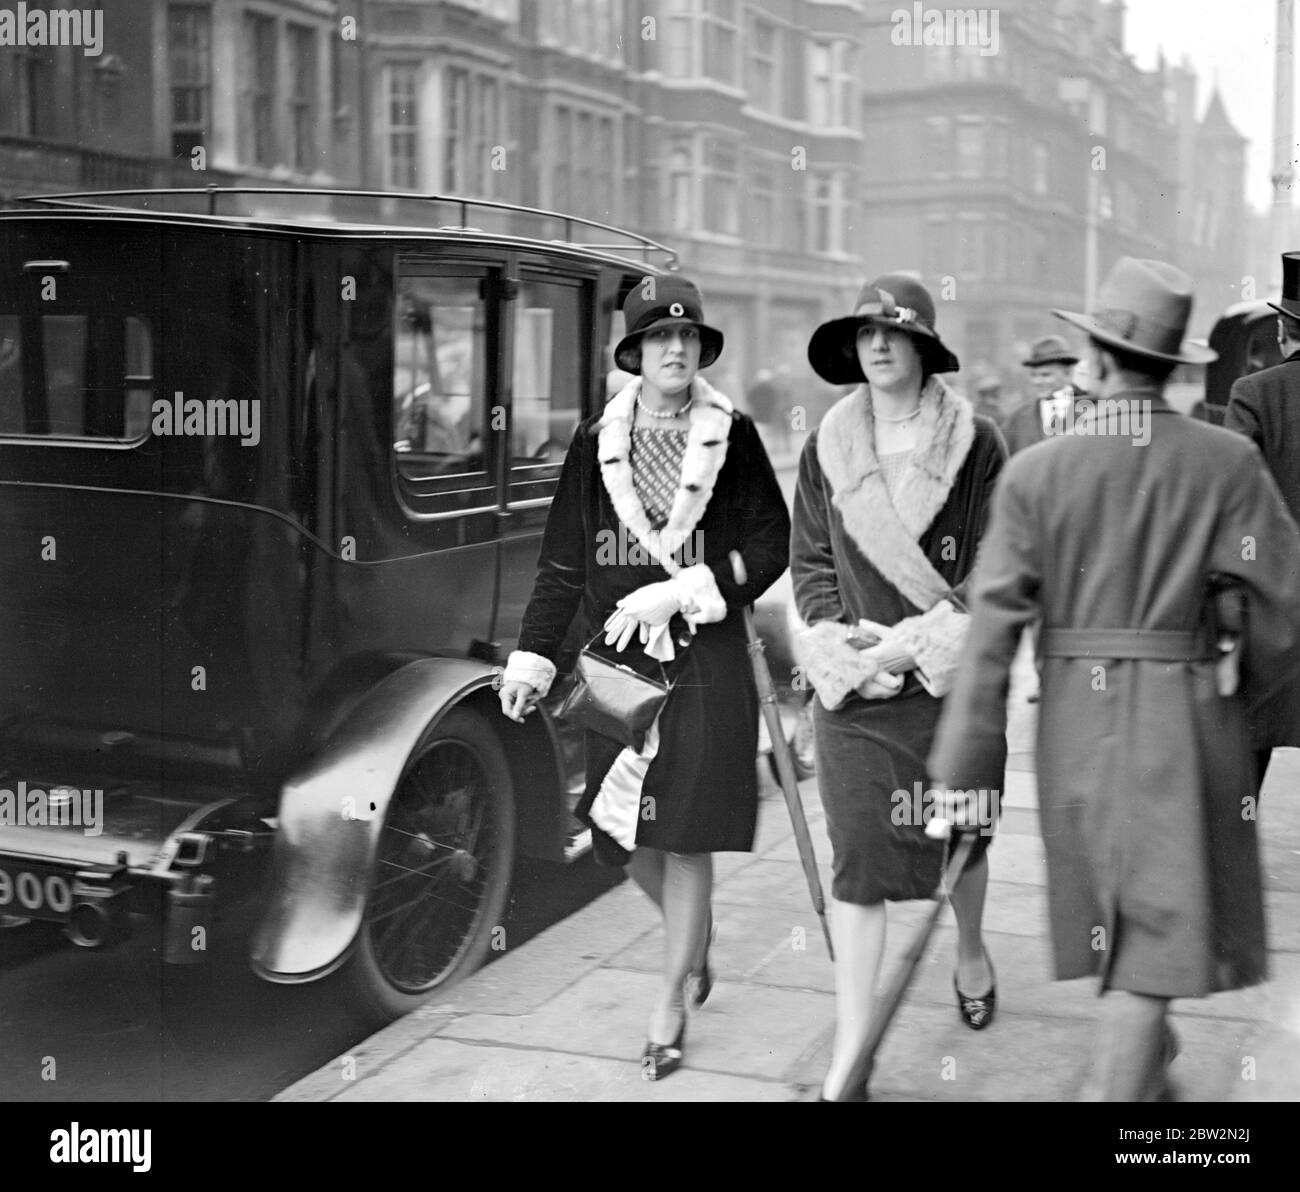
{"type": "Point", "coordinates": [612, 699]}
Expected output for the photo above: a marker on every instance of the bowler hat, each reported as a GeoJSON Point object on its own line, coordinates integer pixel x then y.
{"type": "Point", "coordinates": [1142, 308]}
{"type": "Point", "coordinates": [892, 300]}
{"type": "Point", "coordinates": [1051, 349]}
{"type": "Point", "coordinates": [1289, 303]}
{"type": "Point", "coordinates": [667, 301]}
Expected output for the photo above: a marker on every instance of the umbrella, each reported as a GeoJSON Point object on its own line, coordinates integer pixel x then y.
{"type": "Point", "coordinates": [784, 760]}
{"type": "Point", "coordinates": [892, 998]}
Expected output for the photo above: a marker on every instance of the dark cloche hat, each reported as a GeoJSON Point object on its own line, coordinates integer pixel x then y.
{"type": "Point", "coordinates": [1289, 303]}
{"type": "Point", "coordinates": [668, 301]}
{"type": "Point", "coordinates": [1051, 349]}
{"type": "Point", "coordinates": [892, 300]}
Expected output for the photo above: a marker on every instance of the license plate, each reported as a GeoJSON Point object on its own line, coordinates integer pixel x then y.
{"type": "Point", "coordinates": [35, 891]}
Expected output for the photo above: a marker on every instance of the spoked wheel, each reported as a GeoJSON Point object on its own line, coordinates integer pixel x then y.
{"type": "Point", "coordinates": [442, 869]}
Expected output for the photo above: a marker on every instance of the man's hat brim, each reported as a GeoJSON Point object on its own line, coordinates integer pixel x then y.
{"type": "Point", "coordinates": [1050, 358]}
{"type": "Point", "coordinates": [711, 343]}
{"type": "Point", "coordinates": [1190, 353]}
{"type": "Point", "coordinates": [833, 349]}
{"type": "Point", "coordinates": [1287, 306]}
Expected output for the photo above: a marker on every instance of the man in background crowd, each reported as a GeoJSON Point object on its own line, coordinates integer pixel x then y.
{"type": "Point", "coordinates": [1050, 363]}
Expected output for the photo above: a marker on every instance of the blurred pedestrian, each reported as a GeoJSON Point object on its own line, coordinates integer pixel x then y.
{"type": "Point", "coordinates": [890, 504]}
{"type": "Point", "coordinates": [764, 399]}
{"type": "Point", "coordinates": [674, 472]}
{"type": "Point", "coordinates": [988, 398]}
{"type": "Point", "coordinates": [1049, 363]}
{"type": "Point", "coordinates": [1265, 406]}
{"type": "Point", "coordinates": [1116, 535]}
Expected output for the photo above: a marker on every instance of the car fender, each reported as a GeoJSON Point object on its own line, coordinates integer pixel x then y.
{"type": "Point", "coordinates": [332, 811]}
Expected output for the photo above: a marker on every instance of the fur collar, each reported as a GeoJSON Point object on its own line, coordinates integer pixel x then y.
{"type": "Point", "coordinates": [706, 450]}
{"type": "Point", "coordinates": [887, 531]}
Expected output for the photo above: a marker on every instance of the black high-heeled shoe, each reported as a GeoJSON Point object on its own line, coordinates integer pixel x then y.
{"type": "Point", "coordinates": [977, 1012]}
{"type": "Point", "coordinates": [660, 1060]}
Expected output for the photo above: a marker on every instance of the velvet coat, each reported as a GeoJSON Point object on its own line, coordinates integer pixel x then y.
{"type": "Point", "coordinates": [1145, 773]}
{"type": "Point", "coordinates": [702, 783]}
{"type": "Point", "coordinates": [1265, 406]}
{"type": "Point", "coordinates": [853, 556]}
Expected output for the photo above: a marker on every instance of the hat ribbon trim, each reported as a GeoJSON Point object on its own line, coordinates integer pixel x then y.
{"type": "Point", "coordinates": [1133, 328]}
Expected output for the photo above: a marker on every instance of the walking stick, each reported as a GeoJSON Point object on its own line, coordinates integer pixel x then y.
{"type": "Point", "coordinates": [892, 998]}
{"type": "Point", "coordinates": [784, 762]}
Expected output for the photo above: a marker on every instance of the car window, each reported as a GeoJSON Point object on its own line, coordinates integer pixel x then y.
{"type": "Point", "coordinates": [440, 376]}
{"type": "Point", "coordinates": [71, 376]}
{"type": "Point", "coordinates": [551, 358]}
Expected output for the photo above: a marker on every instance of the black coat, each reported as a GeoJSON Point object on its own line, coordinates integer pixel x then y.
{"type": "Point", "coordinates": [1265, 406]}
{"type": "Point", "coordinates": [1024, 425]}
{"type": "Point", "coordinates": [702, 781]}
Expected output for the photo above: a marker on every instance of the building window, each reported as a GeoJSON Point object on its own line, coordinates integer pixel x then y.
{"type": "Point", "coordinates": [606, 168]}
{"type": "Point", "coordinates": [764, 82]}
{"type": "Point", "coordinates": [995, 249]}
{"type": "Point", "coordinates": [939, 257]}
{"type": "Point", "coordinates": [259, 42]}
{"type": "Point", "coordinates": [721, 189]}
{"type": "Point", "coordinates": [761, 193]}
{"type": "Point", "coordinates": [562, 171]}
{"type": "Point", "coordinates": [823, 211]}
{"type": "Point", "coordinates": [487, 131]}
{"type": "Point", "coordinates": [830, 83]}
{"type": "Point", "coordinates": [679, 43]}
{"type": "Point", "coordinates": [680, 186]}
{"type": "Point", "coordinates": [189, 63]}
{"type": "Point", "coordinates": [938, 146]}
{"type": "Point", "coordinates": [970, 148]}
{"type": "Point", "coordinates": [1039, 168]}
{"type": "Point", "coordinates": [455, 109]}
{"type": "Point", "coordinates": [403, 121]}
{"type": "Point", "coordinates": [302, 98]}
{"type": "Point", "coordinates": [721, 41]}
{"type": "Point", "coordinates": [970, 247]}
{"type": "Point", "coordinates": [999, 149]}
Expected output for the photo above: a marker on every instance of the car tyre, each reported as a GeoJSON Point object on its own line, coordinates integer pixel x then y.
{"type": "Point", "coordinates": [441, 872]}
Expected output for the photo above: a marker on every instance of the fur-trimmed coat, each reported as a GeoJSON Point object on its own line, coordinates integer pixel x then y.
{"type": "Point", "coordinates": [599, 547]}
{"type": "Point", "coordinates": [902, 562]}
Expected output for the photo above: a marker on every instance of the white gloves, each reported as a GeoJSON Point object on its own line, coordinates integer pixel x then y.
{"type": "Point", "coordinates": [648, 608]}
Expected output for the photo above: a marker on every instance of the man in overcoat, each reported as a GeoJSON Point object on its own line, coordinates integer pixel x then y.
{"type": "Point", "coordinates": [1050, 362]}
{"type": "Point", "coordinates": [1112, 535]}
{"type": "Point", "coordinates": [1265, 406]}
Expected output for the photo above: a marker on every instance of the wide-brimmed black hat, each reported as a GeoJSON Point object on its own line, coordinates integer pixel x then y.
{"type": "Point", "coordinates": [1143, 308]}
{"type": "Point", "coordinates": [1289, 303]}
{"type": "Point", "coordinates": [892, 300]}
{"type": "Point", "coordinates": [669, 301]}
{"type": "Point", "coordinates": [1051, 349]}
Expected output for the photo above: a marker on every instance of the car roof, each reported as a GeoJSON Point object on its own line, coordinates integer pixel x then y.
{"type": "Point", "coordinates": [333, 214]}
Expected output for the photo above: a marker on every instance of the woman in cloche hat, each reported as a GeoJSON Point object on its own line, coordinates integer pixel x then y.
{"type": "Point", "coordinates": [893, 495]}
{"type": "Point", "coordinates": [654, 494]}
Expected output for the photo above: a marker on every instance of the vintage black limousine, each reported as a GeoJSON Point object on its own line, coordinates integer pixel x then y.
{"type": "Point", "coordinates": [274, 467]}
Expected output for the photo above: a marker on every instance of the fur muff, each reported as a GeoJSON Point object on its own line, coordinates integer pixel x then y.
{"type": "Point", "coordinates": [935, 640]}
{"type": "Point", "coordinates": [833, 667]}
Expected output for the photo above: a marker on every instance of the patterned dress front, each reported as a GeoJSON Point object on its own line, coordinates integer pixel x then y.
{"type": "Point", "coordinates": [656, 466]}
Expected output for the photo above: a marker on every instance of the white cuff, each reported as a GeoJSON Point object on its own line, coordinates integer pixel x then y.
{"type": "Point", "coordinates": [533, 669]}
{"type": "Point", "coordinates": [935, 640]}
{"type": "Point", "coordinates": [697, 589]}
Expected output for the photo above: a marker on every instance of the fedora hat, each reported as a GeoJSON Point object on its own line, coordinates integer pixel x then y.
{"type": "Point", "coordinates": [668, 301]}
{"type": "Point", "coordinates": [1051, 349]}
{"type": "Point", "coordinates": [892, 300]}
{"type": "Point", "coordinates": [1289, 303]}
{"type": "Point", "coordinates": [1142, 308]}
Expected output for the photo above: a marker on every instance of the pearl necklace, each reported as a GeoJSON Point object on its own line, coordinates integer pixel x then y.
{"type": "Point", "coordinates": [904, 418]}
{"type": "Point", "coordinates": [664, 414]}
